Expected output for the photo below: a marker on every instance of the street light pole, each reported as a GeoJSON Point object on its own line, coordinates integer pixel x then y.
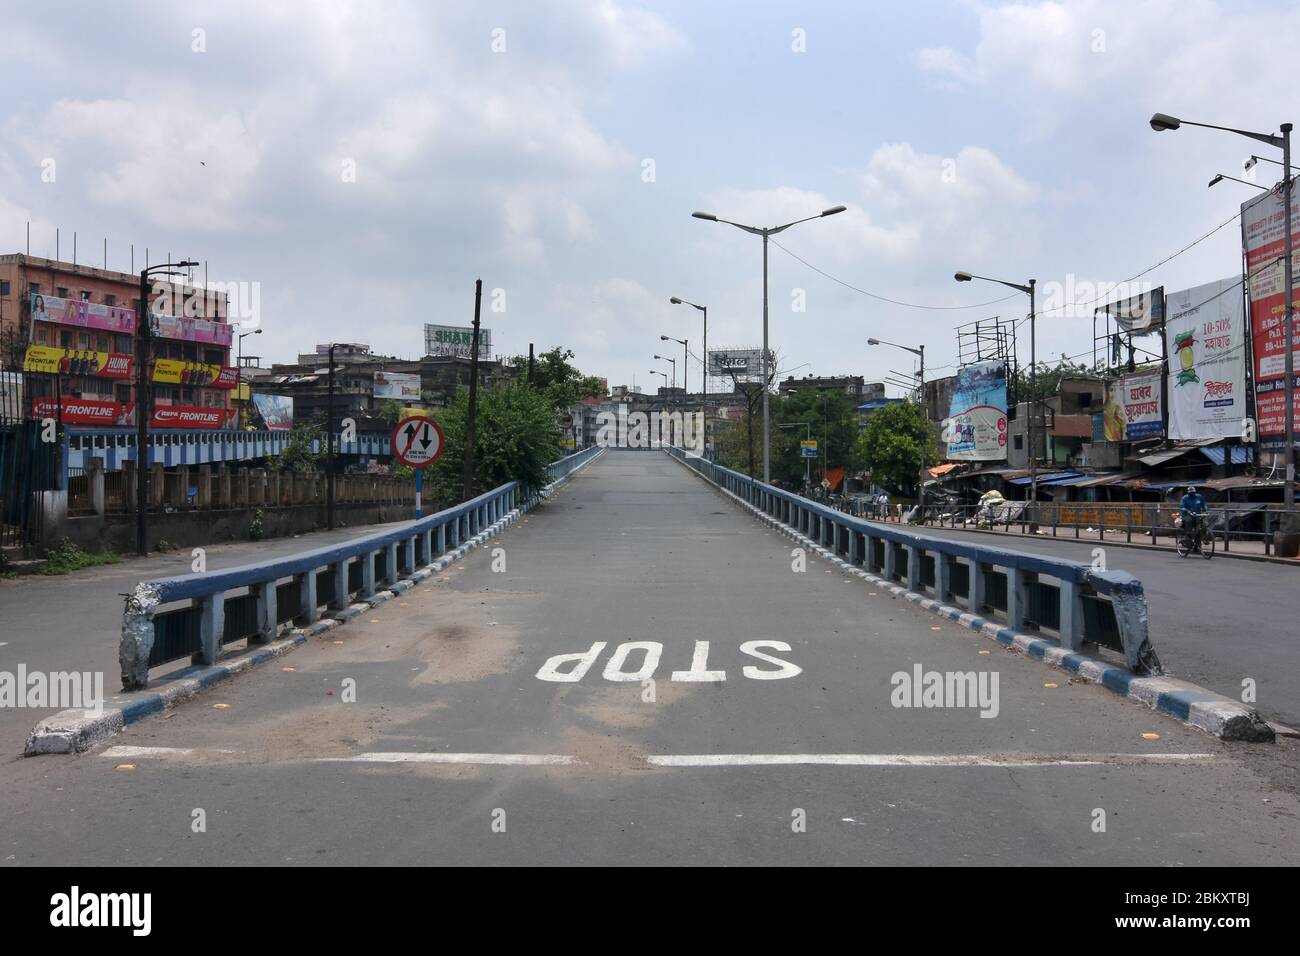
{"type": "Point", "coordinates": [704, 365]}
{"type": "Point", "coordinates": [239, 374]}
{"type": "Point", "coordinates": [1033, 384]}
{"type": "Point", "coordinates": [925, 418]}
{"type": "Point", "coordinates": [144, 400]}
{"type": "Point", "coordinates": [1161, 122]}
{"type": "Point", "coordinates": [673, 361]}
{"type": "Point", "coordinates": [766, 232]}
{"type": "Point", "coordinates": [807, 462]}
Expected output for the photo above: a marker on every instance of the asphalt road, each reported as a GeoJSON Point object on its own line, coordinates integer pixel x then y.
{"type": "Point", "coordinates": [455, 751]}
{"type": "Point", "coordinates": [1217, 623]}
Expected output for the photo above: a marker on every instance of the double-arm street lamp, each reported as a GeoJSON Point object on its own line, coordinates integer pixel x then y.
{"type": "Point", "coordinates": [1033, 385]}
{"type": "Point", "coordinates": [925, 418]}
{"type": "Point", "coordinates": [704, 364]}
{"type": "Point", "coordinates": [765, 232]}
{"type": "Point", "coordinates": [1163, 121]}
{"type": "Point", "coordinates": [664, 358]}
{"type": "Point", "coordinates": [144, 397]}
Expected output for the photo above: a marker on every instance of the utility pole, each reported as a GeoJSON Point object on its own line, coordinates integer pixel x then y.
{"type": "Point", "coordinates": [144, 401]}
{"type": "Point", "coordinates": [329, 445]}
{"type": "Point", "coordinates": [473, 394]}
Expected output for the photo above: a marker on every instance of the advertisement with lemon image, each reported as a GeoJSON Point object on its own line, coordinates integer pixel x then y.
{"type": "Point", "coordinates": [1205, 336]}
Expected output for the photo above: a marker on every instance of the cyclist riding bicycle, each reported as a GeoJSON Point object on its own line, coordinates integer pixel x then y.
{"type": "Point", "coordinates": [1191, 510]}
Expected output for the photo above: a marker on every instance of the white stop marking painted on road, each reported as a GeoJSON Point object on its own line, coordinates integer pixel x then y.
{"type": "Point", "coordinates": [634, 661]}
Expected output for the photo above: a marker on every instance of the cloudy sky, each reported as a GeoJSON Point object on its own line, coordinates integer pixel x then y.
{"type": "Point", "coordinates": [364, 163]}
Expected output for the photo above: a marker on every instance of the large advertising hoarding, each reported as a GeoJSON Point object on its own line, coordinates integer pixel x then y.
{"type": "Point", "coordinates": [192, 416]}
{"type": "Point", "coordinates": [195, 374]}
{"type": "Point", "coordinates": [84, 411]}
{"type": "Point", "coordinates": [744, 365]}
{"type": "Point", "coordinates": [86, 315]}
{"type": "Point", "coordinates": [1205, 335]}
{"type": "Point", "coordinates": [276, 411]}
{"type": "Point", "coordinates": [400, 386]}
{"type": "Point", "coordinates": [1262, 224]}
{"type": "Point", "coordinates": [50, 360]}
{"type": "Point", "coordinates": [456, 340]}
{"type": "Point", "coordinates": [191, 330]}
{"type": "Point", "coordinates": [1133, 411]}
{"type": "Point", "coordinates": [977, 421]}
{"type": "Point", "coordinates": [1140, 313]}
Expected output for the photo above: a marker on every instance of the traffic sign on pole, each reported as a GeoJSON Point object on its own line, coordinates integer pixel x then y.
{"type": "Point", "coordinates": [417, 441]}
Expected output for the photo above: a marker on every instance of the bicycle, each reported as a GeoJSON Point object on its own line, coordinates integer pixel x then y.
{"type": "Point", "coordinates": [1196, 538]}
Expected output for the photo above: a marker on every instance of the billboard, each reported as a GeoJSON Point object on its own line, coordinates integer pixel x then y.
{"type": "Point", "coordinates": [1133, 411]}
{"type": "Point", "coordinates": [1205, 335]}
{"type": "Point", "coordinates": [744, 365]}
{"type": "Point", "coordinates": [276, 411]}
{"type": "Point", "coordinates": [1141, 313]}
{"type": "Point", "coordinates": [456, 340]}
{"type": "Point", "coordinates": [85, 315]}
{"type": "Point", "coordinates": [191, 330]}
{"type": "Point", "coordinates": [56, 361]}
{"type": "Point", "coordinates": [977, 420]}
{"type": "Point", "coordinates": [178, 372]}
{"type": "Point", "coordinates": [400, 386]}
{"type": "Point", "coordinates": [1262, 238]}
{"type": "Point", "coordinates": [192, 416]}
{"type": "Point", "coordinates": [84, 411]}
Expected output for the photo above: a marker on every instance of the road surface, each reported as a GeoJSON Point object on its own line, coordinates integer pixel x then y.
{"type": "Point", "coordinates": [456, 751]}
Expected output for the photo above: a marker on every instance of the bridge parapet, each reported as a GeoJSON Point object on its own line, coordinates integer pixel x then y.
{"type": "Point", "coordinates": [297, 586]}
{"type": "Point", "coordinates": [1083, 604]}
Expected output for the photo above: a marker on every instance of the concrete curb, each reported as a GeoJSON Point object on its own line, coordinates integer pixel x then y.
{"type": "Point", "coordinates": [76, 731]}
{"type": "Point", "coordinates": [1184, 701]}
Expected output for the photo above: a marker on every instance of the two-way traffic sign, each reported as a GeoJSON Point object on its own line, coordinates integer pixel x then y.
{"type": "Point", "coordinates": [417, 441]}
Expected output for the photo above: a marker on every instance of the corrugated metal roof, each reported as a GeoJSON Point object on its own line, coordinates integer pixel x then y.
{"type": "Point", "coordinates": [1160, 457]}
{"type": "Point", "coordinates": [1240, 456]}
{"type": "Point", "coordinates": [1047, 479]}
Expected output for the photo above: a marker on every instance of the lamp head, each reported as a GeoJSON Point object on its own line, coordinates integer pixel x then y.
{"type": "Point", "coordinates": [873, 341]}
{"type": "Point", "coordinates": [1215, 181]}
{"type": "Point", "coordinates": [833, 210]}
{"type": "Point", "coordinates": [675, 301]}
{"type": "Point", "coordinates": [963, 276]}
{"type": "Point", "coordinates": [705, 215]}
{"type": "Point", "coordinates": [1163, 121]}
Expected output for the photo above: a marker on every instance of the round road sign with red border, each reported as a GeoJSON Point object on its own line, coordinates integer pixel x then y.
{"type": "Point", "coordinates": [417, 441]}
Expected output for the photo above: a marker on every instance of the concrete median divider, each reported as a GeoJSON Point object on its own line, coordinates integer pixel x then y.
{"type": "Point", "coordinates": [1050, 608]}
{"type": "Point", "coordinates": [275, 605]}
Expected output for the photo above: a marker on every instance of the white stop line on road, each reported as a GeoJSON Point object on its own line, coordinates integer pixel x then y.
{"type": "Point", "coordinates": [571, 668]}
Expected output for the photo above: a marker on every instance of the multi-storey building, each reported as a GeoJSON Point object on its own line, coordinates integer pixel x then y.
{"type": "Point", "coordinates": [71, 330]}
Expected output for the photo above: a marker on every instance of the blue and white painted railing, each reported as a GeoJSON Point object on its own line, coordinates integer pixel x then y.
{"type": "Point", "coordinates": [176, 447]}
{"type": "Point", "coordinates": [1083, 604]}
{"type": "Point", "coordinates": [298, 586]}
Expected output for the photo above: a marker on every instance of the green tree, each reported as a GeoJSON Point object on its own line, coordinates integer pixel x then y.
{"type": "Point", "coordinates": [391, 412]}
{"type": "Point", "coordinates": [833, 420]}
{"type": "Point", "coordinates": [889, 446]}
{"type": "Point", "coordinates": [298, 455]}
{"type": "Point", "coordinates": [559, 379]}
{"type": "Point", "coordinates": [515, 438]}
{"type": "Point", "coordinates": [1049, 379]}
